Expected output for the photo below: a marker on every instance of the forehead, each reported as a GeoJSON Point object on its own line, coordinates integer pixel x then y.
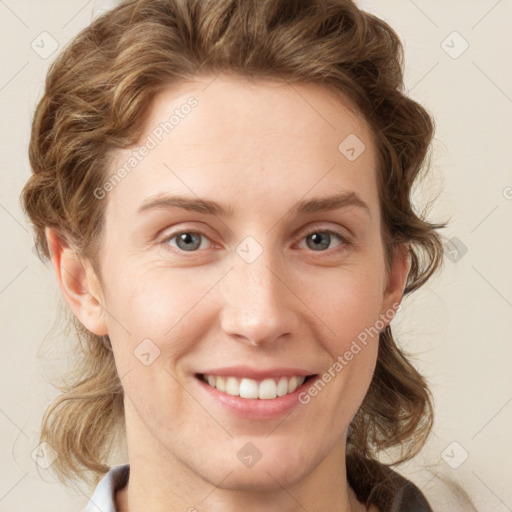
{"type": "Point", "coordinates": [248, 141]}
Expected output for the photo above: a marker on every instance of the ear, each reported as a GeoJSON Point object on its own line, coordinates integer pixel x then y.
{"type": "Point", "coordinates": [396, 281]}
{"type": "Point", "coordinates": [78, 283]}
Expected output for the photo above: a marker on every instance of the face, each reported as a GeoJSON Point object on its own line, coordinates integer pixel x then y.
{"type": "Point", "coordinates": [266, 284]}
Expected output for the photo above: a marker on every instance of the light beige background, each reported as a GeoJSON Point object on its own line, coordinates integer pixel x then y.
{"type": "Point", "coordinates": [458, 326]}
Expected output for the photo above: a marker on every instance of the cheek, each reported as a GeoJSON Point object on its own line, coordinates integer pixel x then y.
{"type": "Point", "coordinates": [353, 351]}
{"type": "Point", "coordinates": [157, 322]}
{"type": "Point", "coordinates": [351, 302]}
{"type": "Point", "coordinates": [151, 298]}
{"type": "Point", "coordinates": [159, 304]}
{"type": "Point", "coordinates": [350, 307]}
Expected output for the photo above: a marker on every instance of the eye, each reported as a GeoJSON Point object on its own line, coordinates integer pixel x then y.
{"type": "Point", "coordinates": [188, 241]}
{"type": "Point", "coordinates": [319, 240]}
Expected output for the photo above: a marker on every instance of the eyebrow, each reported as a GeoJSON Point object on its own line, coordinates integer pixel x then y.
{"type": "Point", "coordinates": [206, 206]}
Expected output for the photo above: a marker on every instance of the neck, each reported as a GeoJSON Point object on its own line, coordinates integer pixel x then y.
{"type": "Point", "coordinates": [160, 482]}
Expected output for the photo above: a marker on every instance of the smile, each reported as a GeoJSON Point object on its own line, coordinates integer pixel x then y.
{"type": "Point", "coordinates": [265, 389]}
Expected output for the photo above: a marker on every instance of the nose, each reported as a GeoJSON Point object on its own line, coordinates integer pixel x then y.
{"type": "Point", "coordinates": [260, 305]}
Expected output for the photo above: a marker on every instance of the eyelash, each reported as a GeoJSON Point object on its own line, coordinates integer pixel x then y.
{"type": "Point", "coordinates": [345, 241]}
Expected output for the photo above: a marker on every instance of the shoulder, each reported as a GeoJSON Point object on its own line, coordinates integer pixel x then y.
{"type": "Point", "coordinates": [378, 485]}
{"type": "Point", "coordinates": [395, 493]}
{"type": "Point", "coordinates": [103, 497]}
{"type": "Point", "coordinates": [409, 497]}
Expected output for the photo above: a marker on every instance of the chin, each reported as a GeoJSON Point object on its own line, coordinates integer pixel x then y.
{"type": "Point", "coordinates": [265, 468]}
{"type": "Point", "coordinates": [264, 478]}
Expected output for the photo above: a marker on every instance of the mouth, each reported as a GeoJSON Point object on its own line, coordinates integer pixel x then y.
{"type": "Point", "coordinates": [253, 389]}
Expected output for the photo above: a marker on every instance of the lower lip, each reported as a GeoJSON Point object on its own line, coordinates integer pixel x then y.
{"type": "Point", "coordinates": [256, 408]}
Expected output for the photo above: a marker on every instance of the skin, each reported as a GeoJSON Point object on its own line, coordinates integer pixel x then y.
{"type": "Point", "coordinates": [258, 148]}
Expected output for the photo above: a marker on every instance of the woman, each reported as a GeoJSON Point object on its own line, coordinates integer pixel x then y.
{"type": "Point", "coordinates": [223, 188]}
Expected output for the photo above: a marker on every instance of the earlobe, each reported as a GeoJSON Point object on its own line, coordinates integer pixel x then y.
{"type": "Point", "coordinates": [397, 280]}
{"type": "Point", "coordinates": [78, 283]}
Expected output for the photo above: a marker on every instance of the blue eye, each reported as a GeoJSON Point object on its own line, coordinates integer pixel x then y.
{"type": "Point", "coordinates": [317, 240]}
{"type": "Point", "coordinates": [187, 241]}
{"type": "Point", "coordinates": [321, 239]}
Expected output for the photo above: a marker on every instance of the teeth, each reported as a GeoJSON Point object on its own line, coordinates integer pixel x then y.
{"type": "Point", "coordinates": [293, 384]}
{"type": "Point", "coordinates": [219, 383]}
{"type": "Point", "coordinates": [249, 388]}
{"type": "Point", "coordinates": [232, 386]}
{"type": "Point", "coordinates": [267, 389]}
{"type": "Point", "coordinates": [282, 386]}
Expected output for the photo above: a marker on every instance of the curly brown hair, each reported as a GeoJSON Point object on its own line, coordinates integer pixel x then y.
{"type": "Point", "coordinates": [96, 96]}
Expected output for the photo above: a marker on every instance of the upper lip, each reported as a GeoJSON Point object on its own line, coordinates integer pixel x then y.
{"type": "Point", "coordinates": [257, 373]}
